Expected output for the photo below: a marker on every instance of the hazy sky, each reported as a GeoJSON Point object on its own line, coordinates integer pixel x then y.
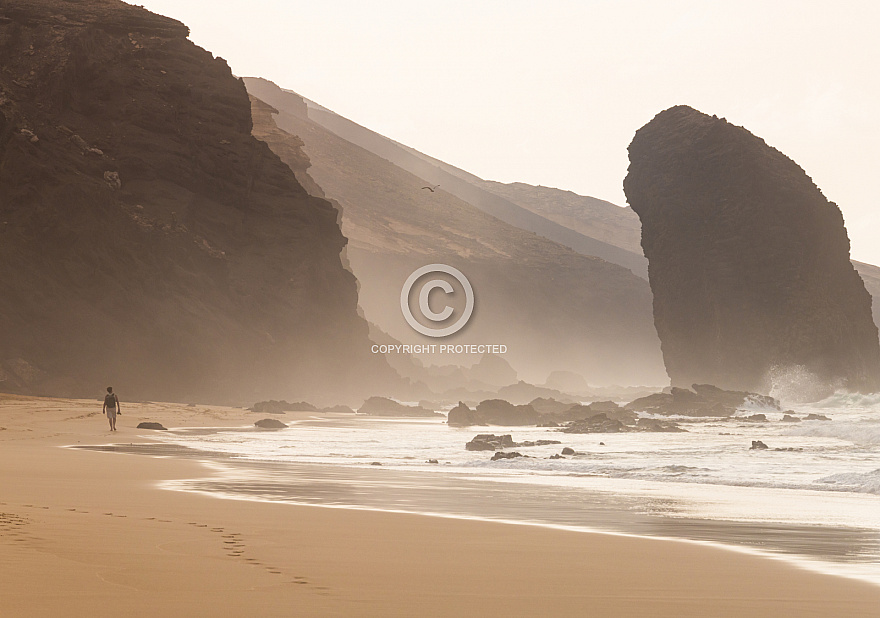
{"type": "Point", "coordinates": [551, 92]}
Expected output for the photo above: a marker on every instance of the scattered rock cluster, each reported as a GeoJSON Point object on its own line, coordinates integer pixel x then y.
{"type": "Point", "coordinates": [600, 423]}
{"type": "Point", "coordinates": [703, 400]}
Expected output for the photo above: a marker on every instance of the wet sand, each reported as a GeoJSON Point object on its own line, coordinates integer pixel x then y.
{"type": "Point", "coordinates": [89, 533]}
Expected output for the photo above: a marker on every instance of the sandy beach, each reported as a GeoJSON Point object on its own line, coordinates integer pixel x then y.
{"type": "Point", "coordinates": [86, 533]}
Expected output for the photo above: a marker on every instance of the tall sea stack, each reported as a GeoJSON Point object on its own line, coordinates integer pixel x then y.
{"type": "Point", "coordinates": [748, 261]}
{"type": "Point", "coordinates": [147, 239]}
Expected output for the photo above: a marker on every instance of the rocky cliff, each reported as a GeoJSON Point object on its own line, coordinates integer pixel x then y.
{"type": "Point", "coordinates": [748, 261]}
{"type": "Point", "coordinates": [553, 308]}
{"type": "Point", "coordinates": [147, 239]}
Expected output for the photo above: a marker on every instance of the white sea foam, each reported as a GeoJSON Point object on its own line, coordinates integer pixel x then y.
{"type": "Point", "coordinates": [868, 482]}
{"type": "Point", "coordinates": [858, 433]}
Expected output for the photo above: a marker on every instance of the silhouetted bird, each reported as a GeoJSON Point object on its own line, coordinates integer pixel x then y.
{"type": "Point", "coordinates": [431, 189]}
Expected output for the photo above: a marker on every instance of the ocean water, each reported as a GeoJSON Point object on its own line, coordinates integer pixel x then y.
{"type": "Point", "coordinates": [812, 498]}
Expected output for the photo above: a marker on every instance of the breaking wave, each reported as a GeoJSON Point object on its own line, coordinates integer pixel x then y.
{"type": "Point", "coordinates": [868, 483]}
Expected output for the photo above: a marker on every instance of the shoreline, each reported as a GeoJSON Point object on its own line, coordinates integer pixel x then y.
{"type": "Point", "coordinates": [224, 473]}
{"type": "Point", "coordinates": [82, 535]}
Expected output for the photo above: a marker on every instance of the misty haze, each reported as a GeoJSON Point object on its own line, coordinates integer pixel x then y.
{"type": "Point", "coordinates": [372, 311]}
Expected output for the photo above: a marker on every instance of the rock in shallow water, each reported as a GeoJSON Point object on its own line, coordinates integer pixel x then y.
{"type": "Point", "coordinates": [490, 442]}
{"type": "Point", "coordinates": [152, 425]}
{"type": "Point", "coordinates": [500, 455]}
{"type": "Point", "coordinates": [703, 400]}
{"type": "Point", "coordinates": [270, 423]}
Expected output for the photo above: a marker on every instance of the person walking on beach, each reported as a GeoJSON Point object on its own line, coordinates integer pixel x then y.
{"type": "Point", "coordinates": [111, 407]}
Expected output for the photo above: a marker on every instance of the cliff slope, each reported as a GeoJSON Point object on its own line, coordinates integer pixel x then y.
{"type": "Point", "coordinates": [588, 215]}
{"type": "Point", "coordinates": [147, 239]}
{"type": "Point", "coordinates": [463, 185]}
{"type": "Point", "coordinates": [554, 308]}
{"type": "Point", "coordinates": [748, 262]}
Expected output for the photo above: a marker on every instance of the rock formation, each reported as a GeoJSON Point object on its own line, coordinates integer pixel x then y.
{"type": "Point", "coordinates": [703, 400]}
{"type": "Point", "coordinates": [462, 416]}
{"type": "Point", "coordinates": [748, 261]}
{"type": "Point", "coordinates": [152, 425]}
{"type": "Point", "coordinates": [382, 406]}
{"type": "Point", "coordinates": [270, 423]}
{"type": "Point", "coordinates": [147, 239]}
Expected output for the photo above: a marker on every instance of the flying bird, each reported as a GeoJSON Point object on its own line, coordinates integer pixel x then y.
{"type": "Point", "coordinates": [431, 189]}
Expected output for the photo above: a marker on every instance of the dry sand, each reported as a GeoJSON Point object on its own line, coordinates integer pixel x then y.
{"type": "Point", "coordinates": [86, 533]}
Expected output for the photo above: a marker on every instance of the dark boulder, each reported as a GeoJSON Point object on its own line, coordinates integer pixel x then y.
{"type": "Point", "coordinates": [151, 425]}
{"type": "Point", "coordinates": [500, 455]}
{"type": "Point", "coordinates": [756, 418]}
{"type": "Point", "coordinates": [816, 417]}
{"type": "Point", "coordinates": [538, 443]}
{"type": "Point", "coordinates": [490, 442]}
{"type": "Point", "coordinates": [270, 423]}
{"type": "Point", "coordinates": [788, 418]}
{"type": "Point", "coordinates": [749, 262]}
{"type": "Point", "coordinates": [568, 451]}
{"type": "Point", "coordinates": [757, 445]}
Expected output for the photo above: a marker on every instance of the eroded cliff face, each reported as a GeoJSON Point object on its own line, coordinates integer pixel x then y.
{"type": "Point", "coordinates": [146, 238]}
{"type": "Point", "coordinates": [749, 262]}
